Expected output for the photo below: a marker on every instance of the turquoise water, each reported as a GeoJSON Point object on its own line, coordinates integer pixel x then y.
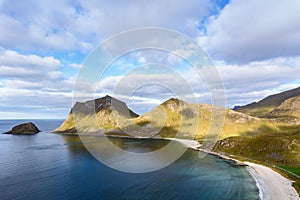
{"type": "Point", "coordinates": [52, 166]}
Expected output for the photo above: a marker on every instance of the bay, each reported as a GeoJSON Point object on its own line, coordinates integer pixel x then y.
{"type": "Point", "coordinates": [54, 166]}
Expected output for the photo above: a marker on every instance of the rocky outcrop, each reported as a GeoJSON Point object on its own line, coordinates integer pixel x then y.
{"type": "Point", "coordinates": [24, 129]}
{"type": "Point", "coordinates": [102, 114]}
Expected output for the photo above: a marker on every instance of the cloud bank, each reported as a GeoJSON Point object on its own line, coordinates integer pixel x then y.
{"type": "Point", "coordinates": [246, 31]}
{"type": "Point", "coordinates": [255, 45]}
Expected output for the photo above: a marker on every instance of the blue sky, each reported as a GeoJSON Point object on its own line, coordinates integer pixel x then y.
{"type": "Point", "coordinates": [255, 46]}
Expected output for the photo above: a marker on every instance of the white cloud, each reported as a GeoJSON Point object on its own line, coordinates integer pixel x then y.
{"type": "Point", "coordinates": [254, 30]}
{"type": "Point", "coordinates": [29, 102]}
{"type": "Point", "coordinates": [14, 65]}
{"type": "Point", "coordinates": [75, 65]}
{"type": "Point", "coordinates": [148, 87]}
{"type": "Point", "coordinates": [260, 40]}
{"type": "Point", "coordinates": [243, 84]}
{"type": "Point", "coordinates": [8, 71]}
{"type": "Point", "coordinates": [15, 59]}
{"type": "Point", "coordinates": [256, 80]}
{"type": "Point", "coordinates": [80, 25]}
{"type": "Point", "coordinates": [21, 84]}
{"type": "Point", "coordinates": [278, 70]}
{"type": "Point", "coordinates": [32, 84]}
{"type": "Point", "coordinates": [142, 60]}
{"type": "Point", "coordinates": [55, 74]}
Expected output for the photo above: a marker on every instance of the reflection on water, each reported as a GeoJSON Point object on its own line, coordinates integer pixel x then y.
{"type": "Point", "coordinates": [52, 166]}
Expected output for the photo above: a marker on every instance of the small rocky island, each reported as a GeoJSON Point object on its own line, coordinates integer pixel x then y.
{"type": "Point", "coordinates": [24, 129]}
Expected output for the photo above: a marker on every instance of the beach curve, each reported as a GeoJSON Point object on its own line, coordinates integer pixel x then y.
{"type": "Point", "coordinates": [271, 185]}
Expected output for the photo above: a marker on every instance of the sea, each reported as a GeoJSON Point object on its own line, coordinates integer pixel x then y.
{"type": "Point", "coordinates": [59, 167]}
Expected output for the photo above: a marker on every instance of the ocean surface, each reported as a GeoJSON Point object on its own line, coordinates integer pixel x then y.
{"type": "Point", "coordinates": [52, 166]}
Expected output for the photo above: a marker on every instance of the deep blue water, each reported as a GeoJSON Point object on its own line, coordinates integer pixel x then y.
{"type": "Point", "coordinates": [53, 166]}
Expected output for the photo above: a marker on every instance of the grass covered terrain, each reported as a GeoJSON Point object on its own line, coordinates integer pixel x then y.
{"type": "Point", "coordinates": [285, 170]}
{"type": "Point", "coordinates": [278, 147]}
{"type": "Point", "coordinates": [257, 112]}
{"type": "Point", "coordinates": [274, 146]}
{"type": "Point", "coordinates": [294, 170]}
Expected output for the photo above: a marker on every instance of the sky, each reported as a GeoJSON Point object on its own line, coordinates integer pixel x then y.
{"type": "Point", "coordinates": [255, 46]}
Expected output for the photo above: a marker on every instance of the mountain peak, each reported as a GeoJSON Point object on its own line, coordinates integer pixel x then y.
{"type": "Point", "coordinates": [106, 97]}
{"type": "Point", "coordinates": [108, 110]}
{"type": "Point", "coordinates": [96, 105]}
{"type": "Point", "coordinates": [266, 105]}
{"type": "Point", "coordinates": [173, 100]}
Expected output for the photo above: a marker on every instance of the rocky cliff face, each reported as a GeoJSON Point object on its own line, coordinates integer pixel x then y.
{"type": "Point", "coordinates": [100, 114]}
{"type": "Point", "coordinates": [97, 105]}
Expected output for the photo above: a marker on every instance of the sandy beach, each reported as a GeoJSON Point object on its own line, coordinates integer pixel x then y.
{"type": "Point", "coordinates": [193, 144]}
{"type": "Point", "coordinates": [271, 185]}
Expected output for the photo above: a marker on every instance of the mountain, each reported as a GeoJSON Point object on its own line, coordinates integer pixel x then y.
{"type": "Point", "coordinates": [98, 114]}
{"type": "Point", "coordinates": [266, 105]}
{"type": "Point", "coordinates": [172, 117]}
{"type": "Point", "coordinates": [185, 118]}
{"type": "Point", "coordinates": [278, 141]}
{"type": "Point", "coordinates": [278, 146]}
{"type": "Point", "coordinates": [289, 110]}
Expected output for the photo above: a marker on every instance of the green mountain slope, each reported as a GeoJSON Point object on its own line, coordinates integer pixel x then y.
{"type": "Point", "coordinates": [186, 118]}
{"type": "Point", "coordinates": [274, 147]}
{"type": "Point", "coordinates": [279, 146]}
{"type": "Point", "coordinates": [288, 111]}
{"type": "Point", "coordinates": [266, 105]}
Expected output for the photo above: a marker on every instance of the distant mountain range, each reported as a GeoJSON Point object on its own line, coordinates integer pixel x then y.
{"type": "Point", "coordinates": [279, 105]}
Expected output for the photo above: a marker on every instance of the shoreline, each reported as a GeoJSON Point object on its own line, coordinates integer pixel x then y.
{"type": "Point", "coordinates": [271, 184]}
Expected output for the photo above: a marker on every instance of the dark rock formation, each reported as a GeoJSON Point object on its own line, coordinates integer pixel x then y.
{"type": "Point", "coordinates": [96, 105]}
{"type": "Point", "coordinates": [24, 129]}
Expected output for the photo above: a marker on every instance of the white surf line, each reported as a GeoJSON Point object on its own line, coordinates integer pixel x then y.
{"type": "Point", "coordinates": [193, 144]}
{"type": "Point", "coordinates": [271, 185]}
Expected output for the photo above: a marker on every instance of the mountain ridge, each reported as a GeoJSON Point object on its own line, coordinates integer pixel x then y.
{"type": "Point", "coordinates": [267, 104]}
{"type": "Point", "coordinates": [174, 116]}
